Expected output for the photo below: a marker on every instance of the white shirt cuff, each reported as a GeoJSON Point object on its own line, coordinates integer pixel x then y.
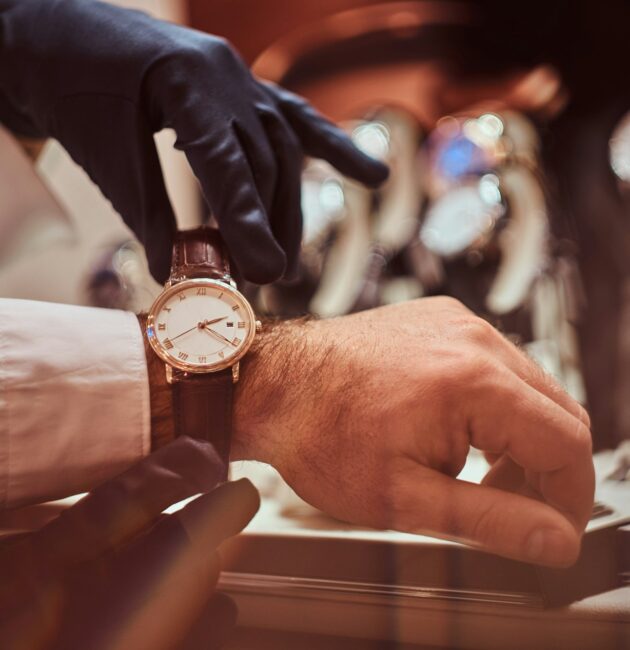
{"type": "Point", "coordinates": [74, 398]}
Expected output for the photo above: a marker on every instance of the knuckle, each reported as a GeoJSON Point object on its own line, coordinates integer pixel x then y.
{"type": "Point", "coordinates": [291, 99]}
{"type": "Point", "coordinates": [583, 440]}
{"type": "Point", "coordinates": [585, 418]}
{"type": "Point", "coordinates": [214, 51]}
{"type": "Point", "coordinates": [223, 48]}
{"type": "Point", "coordinates": [190, 54]}
{"type": "Point", "coordinates": [197, 447]}
{"type": "Point", "coordinates": [484, 527]}
{"type": "Point", "coordinates": [448, 302]}
{"type": "Point", "coordinates": [116, 492]}
{"type": "Point", "coordinates": [474, 369]}
{"type": "Point", "coordinates": [478, 330]}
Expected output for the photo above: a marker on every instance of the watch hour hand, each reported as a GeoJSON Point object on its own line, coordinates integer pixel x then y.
{"type": "Point", "coordinates": [215, 320]}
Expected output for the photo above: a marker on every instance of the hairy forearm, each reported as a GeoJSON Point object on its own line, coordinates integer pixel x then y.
{"type": "Point", "coordinates": [258, 395]}
{"type": "Point", "coordinates": [261, 395]}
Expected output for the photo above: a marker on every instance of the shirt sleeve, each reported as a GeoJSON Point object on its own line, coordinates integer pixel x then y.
{"type": "Point", "coordinates": [74, 398]}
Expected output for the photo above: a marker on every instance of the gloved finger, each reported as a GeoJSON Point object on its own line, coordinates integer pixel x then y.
{"type": "Point", "coordinates": [286, 213]}
{"type": "Point", "coordinates": [213, 628]}
{"type": "Point", "coordinates": [123, 506]}
{"type": "Point", "coordinates": [261, 159]}
{"type": "Point", "coordinates": [320, 138]}
{"type": "Point", "coordinates": [230, 189]}
{"type": "Point", "coordinates": [171, 571]}
{"type": "Point", "coordinates": [212, 518]}
{"type": "Point", "coordinates": [122, 160]}
{"type": "Point", "coordinates": [146, 595]}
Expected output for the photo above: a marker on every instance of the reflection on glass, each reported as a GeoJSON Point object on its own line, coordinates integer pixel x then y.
{"type": "Point", "coordinates": [323, 200]}
{"type": "Point", "coordinates": [373, 138]}
{"type": "Point", "coordinates": [620, 150]}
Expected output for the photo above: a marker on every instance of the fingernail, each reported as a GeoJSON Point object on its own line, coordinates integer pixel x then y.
{"type": "Point", "coordinates": [551, 547]}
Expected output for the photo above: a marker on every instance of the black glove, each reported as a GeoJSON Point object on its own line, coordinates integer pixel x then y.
{"type": "Point", "coordinates": [113, 573]}
{"type": "Point", "coordinates": [102, 80]}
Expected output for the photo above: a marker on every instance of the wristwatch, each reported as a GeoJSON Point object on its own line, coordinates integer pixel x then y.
{"type": "Point", "coordinates": [201, 327]}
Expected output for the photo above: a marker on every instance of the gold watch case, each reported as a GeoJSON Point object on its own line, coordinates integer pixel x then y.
{"type": "Point", "coordinates": [178, 364]}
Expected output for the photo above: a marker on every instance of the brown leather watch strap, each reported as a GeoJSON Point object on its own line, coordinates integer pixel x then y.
{"type": "Point", "coordinates": [199, 253]}
{"type": "Point", "coordinates": [202, 403]}
{"type": "Point", "coordinates": [203, 409]}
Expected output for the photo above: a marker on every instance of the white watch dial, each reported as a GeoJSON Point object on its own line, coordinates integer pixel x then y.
{"type": "Point", "coordinates": [201, 325]}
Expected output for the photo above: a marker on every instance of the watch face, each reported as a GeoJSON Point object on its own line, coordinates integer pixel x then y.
{"type": "Point", "coordinates": [463, 217]}
{"type": "Point", "coordinates": [201, 325]}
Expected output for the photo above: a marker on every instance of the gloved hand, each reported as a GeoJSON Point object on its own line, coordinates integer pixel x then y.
{"type": "Point", "coordinates": [113, 573]}
{"type": "Point", "coordinates": [102, 80]}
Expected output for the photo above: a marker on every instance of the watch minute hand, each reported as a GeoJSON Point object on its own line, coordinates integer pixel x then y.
{"type": "Point", "coordinates": [186, 332]}
{"type": "Point", "coordinates": [219, 336]}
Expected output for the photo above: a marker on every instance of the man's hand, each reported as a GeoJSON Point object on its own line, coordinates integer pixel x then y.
{"type": "Point", "coordinates": [102, 80]}
{"type": "Point", "coordinates": [370, 418]}
{"type": "Point", "coordinates": [113, 572]}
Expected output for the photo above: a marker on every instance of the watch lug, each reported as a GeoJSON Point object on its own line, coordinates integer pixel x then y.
{"type": "Point", "coordinates": [258, 326]}
{"type": "Point", "coordinates": [169, 373]}
{"type": "Point", "coordinates": [236, 372]}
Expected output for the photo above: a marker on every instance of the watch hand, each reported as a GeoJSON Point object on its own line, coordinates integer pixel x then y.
{"type": "Point", "coordinates": [219, 336]}
{"type": "Point", "coordinates": [214, 320]}
{"type": "Point", "coordinates": [197, 326]}
{"type": "Point", "coordinates": [200, 325]}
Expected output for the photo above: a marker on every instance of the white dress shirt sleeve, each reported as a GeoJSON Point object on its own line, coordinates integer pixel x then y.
{"type": "Point", "coordinates": [74, 398]}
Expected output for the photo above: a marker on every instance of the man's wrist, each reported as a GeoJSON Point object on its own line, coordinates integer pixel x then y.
{"type": "Point", "coordinates": [162, 421]}
{"type": "Point", "coordinates": [264, 405]}
{"type": "Point", "coordinates": [261, 398]}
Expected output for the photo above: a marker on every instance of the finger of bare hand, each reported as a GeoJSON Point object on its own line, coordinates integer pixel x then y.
{"type": "Point", "coordinates": [491, 519]}
{"type": "Point", "coordinates": [530, 372]}
{"type": "Point", "coordinates": [511, 417]}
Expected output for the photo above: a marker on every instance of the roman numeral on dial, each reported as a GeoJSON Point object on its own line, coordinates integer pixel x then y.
{"type": "Point", "coordinates": [183, 356]}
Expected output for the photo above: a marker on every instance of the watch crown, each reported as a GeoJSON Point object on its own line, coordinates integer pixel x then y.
{"type": "Point", "coordinates": [258, 326]}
